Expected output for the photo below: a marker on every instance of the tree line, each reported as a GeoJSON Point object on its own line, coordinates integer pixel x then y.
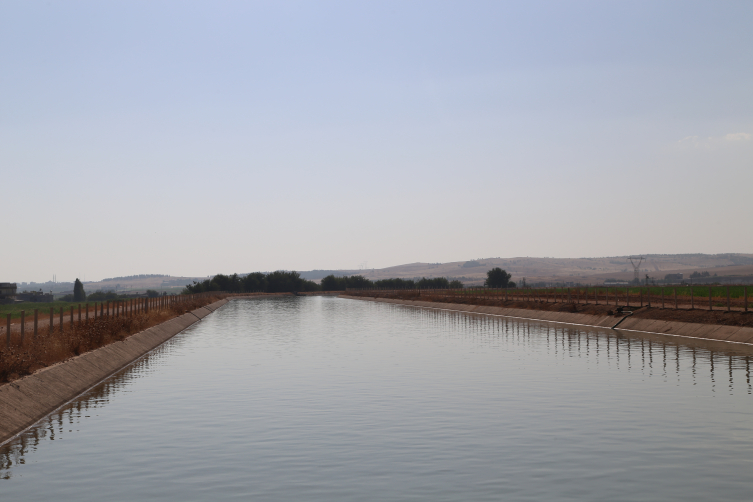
{"type": "Point", "coordinates": [292, 282]}
{"type": "Point", "coordinates": [333, 283]}
{"type": "Point", "coordinates": [273, 282]}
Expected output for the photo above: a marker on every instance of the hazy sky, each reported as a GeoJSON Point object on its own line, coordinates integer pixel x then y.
{"type": "Point", "coordinates": [191, 138]}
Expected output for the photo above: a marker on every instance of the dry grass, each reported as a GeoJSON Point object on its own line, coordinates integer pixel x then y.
{"type": "Point", "coordinates": [22, 359]}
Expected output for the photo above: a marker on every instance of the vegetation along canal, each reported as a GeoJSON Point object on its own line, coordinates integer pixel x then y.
{"type": "Point", "coordinates": [321, 398]}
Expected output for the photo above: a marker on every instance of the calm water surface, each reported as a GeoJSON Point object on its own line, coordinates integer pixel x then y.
{"type": "Point", "coordinates": [333, 399]}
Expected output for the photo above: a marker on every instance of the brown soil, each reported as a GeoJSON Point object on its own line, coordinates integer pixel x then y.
{"type": "Point", "coordinates": [722, 317]}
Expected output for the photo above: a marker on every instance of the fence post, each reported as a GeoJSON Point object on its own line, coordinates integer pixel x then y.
{"type": "Point", "coordinates": [648, 295]}
{"type": "Point", "coordinates": [745, 295]}
{"type": "Point", "coordinates": [71, 315]}
{"type": "Point", "coordinates": [662, 296]}
{"type": "Point", "coordinates": [23, 325]}
{"type": "Point", "coordinates": [640, 293]}
{"type": "Point", "coordinates": [79, 313]}
{"type": "Point", "coordinates": [52, 319]}
{"type": "Point", "coordinates": [61, 320]}
{"type": "Point", "coordinates": [674, 290]}
{"type": "Point", "coordinates": [728, 306]}
{"type": "Point", "coordinates": [87, 312]}
{"type": "Point", "coordinates": [36, 322]}
{"type": "Point", "coordinates": [710, 306]}
{"type": "Point", "coordinates": [627, 296]}
{"type": "Point", "coordinates": [7, 331]}
{"type": "Point", "coordinates": [692, 300]}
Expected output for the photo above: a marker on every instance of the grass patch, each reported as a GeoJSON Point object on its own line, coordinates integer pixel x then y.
{"type": "Point", "coordinates": [14, 309]}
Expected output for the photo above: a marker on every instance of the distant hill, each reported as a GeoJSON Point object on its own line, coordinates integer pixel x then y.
{"type": "Point", "coordinates": [473, 271]}
{"type": "Point", "coordinates": [584, 270]}
{"type": "Point", "coordinates": [140, 282]}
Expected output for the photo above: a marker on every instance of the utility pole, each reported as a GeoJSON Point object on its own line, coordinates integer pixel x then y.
{"type": "Point", "coordinates": [636, 267]}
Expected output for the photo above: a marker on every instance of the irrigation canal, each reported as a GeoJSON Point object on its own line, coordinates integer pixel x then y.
{"type": "Point", "coordinates": [320, 398]}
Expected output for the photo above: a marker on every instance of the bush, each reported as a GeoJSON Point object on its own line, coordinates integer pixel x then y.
{"type": "Point", "coordinates": [101, 296]}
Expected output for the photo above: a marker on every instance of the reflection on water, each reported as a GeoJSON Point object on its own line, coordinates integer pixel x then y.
{"type": "Point", "coordinates": [332, 399]}
{"type": "Point", "coordinates": [723, 365]}
{"type": "Point", "coordinates": [67, 418]}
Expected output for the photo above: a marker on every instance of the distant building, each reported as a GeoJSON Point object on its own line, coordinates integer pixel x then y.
{"type": "Point", "coordinates": [673, 278]}
{"type": "Point", "coordinates": [8, 289]}
{"type": "Point", "coordinates": [7, 292]}
{"type": "Point", "coordinates": [615, 282]}
{"type": "Point", "coordinates": [34, 296]}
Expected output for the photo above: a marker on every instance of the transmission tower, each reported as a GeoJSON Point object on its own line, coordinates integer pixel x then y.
{"type": "Point", "coordinates": [636, 266]}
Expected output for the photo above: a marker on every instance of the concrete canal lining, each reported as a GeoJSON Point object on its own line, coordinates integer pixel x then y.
{"type": "Point", "coordinates": [27, 400]}
{"type": "Point", "coordinates": [715, 332]}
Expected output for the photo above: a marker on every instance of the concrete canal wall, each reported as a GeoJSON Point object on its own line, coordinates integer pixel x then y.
{"type": "Point", "coordinates": [731, 334]}
{"type": "Point", "coordinates": [27, 400]}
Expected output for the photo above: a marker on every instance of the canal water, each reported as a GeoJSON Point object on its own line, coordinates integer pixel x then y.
{"type": "Point", "coordinates": [327, 399]}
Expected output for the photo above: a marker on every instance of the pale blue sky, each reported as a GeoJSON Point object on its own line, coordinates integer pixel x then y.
{"type": "Point", "coordinates": [191, 138]}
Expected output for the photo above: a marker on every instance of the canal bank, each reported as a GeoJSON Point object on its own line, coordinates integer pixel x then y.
{"type": "Point", "coordinates": [714, 332]}
{"type": "Point", "coordinates": [27, 400]}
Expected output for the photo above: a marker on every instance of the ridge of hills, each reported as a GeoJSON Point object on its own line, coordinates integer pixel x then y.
{"type": "Point", "coordinates": [473, 272]}
{"type": "Point", "coordinates": [583, 270]}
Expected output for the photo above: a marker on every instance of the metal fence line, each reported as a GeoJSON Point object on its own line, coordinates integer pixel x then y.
{"type": "Point", "coordinates": [719, 297]}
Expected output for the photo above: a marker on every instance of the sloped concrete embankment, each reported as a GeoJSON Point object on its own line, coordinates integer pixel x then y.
{"type": "Point", "coordinates": [27, 400]}
{"type": "Point", "coordinates": [731, 334]}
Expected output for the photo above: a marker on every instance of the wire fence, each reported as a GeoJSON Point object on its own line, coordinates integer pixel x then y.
{"type": "Point", "coordinates": [47, 321]}
{"type": "Point", "coordinates": [729, 298]}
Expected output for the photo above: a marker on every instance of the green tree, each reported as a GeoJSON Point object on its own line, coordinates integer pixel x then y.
{"type": "Point", "coordinates": [497, 278]}
{"type": "Point", "coordinates": [282, 281]}
{"type": "Point", "coordinates": [332, 283]}
{"type": "Point", "coordinates": [435, 283]}
{"type": "Point", "coordinates": [79, 295]}
{"type": "Point", "coordinates": [255, 281]}
{"type": "Point", "coordinates": [395, 283]}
